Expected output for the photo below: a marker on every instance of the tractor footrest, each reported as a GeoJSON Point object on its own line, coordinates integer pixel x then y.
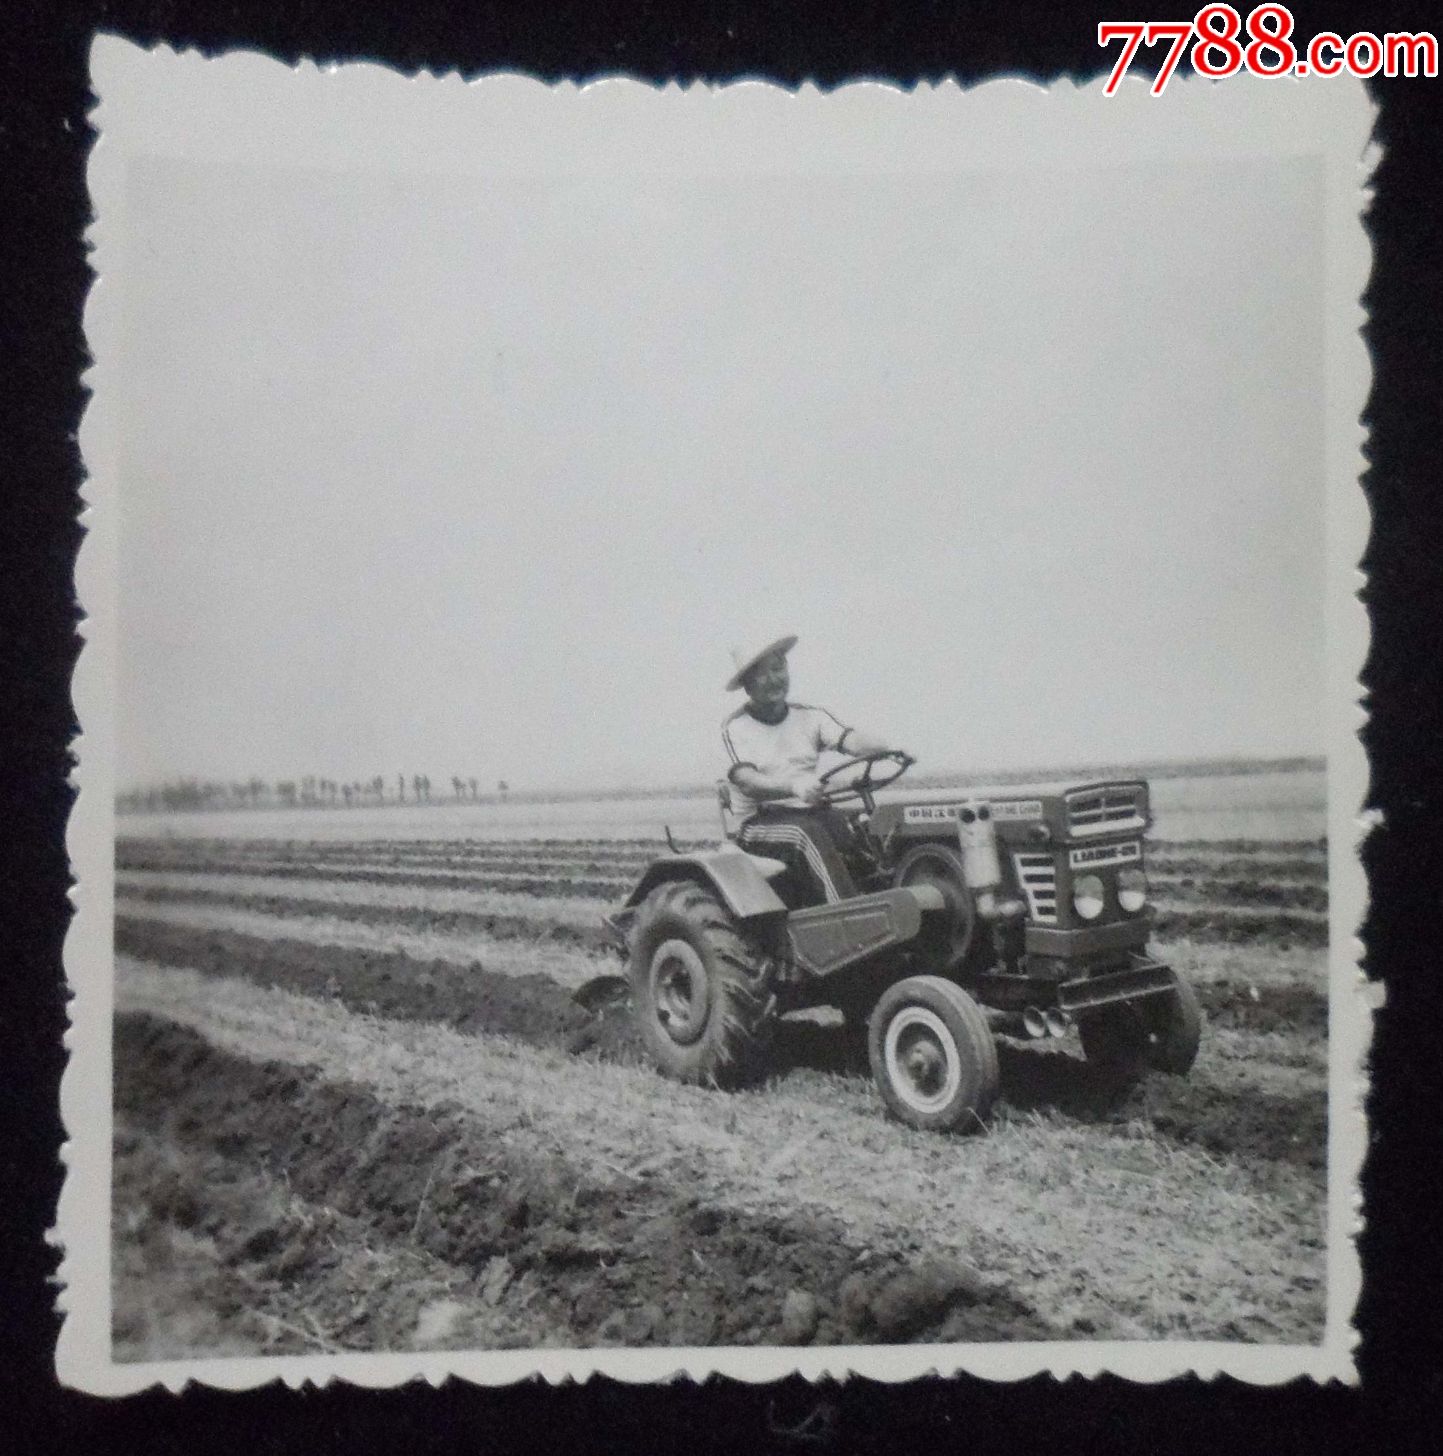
{"type": "Point", "coordinates": [1149, 978]}
{"type": "Point", "coordinates": [827, 938]}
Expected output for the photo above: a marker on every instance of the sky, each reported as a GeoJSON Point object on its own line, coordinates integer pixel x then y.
{"type": "Point", "coordinates": [441, 475]}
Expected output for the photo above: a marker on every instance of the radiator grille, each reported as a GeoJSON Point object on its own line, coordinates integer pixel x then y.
{"type": "Point", "coordinates": [1037, 875]}
{"type": "Point", "coordinates": [1105, 811]}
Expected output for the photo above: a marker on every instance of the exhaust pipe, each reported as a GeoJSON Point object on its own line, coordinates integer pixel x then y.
{"type": "Point", "coordinates": [1033, 1022]}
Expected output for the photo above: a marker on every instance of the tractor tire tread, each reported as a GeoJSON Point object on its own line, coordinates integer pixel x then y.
{"type": "Point", "coordinates": [735, 1044]}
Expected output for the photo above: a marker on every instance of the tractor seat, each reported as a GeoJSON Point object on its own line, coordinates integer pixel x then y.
{"type": "Point", "coordinates": [729, 811]}
{"type": "Point", "coordinates": [769, 867]}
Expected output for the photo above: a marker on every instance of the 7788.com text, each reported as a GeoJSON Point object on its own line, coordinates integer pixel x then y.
{"type": "Point", "coordinates": [1222, 44]}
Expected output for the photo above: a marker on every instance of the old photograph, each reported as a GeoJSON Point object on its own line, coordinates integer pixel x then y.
{"type": "Point", "coordinates": [719, 729]}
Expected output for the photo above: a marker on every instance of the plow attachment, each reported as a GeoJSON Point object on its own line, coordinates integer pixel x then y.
{"type": "Point", "coordinates": [600, 992]}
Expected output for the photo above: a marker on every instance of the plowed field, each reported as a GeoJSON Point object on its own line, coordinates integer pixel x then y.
{"type": "Point", "coordinates": [357, 1108]}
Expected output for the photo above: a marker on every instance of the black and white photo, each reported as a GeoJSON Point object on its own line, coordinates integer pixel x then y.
{"type": "Point", "coordinates": [719, 729]}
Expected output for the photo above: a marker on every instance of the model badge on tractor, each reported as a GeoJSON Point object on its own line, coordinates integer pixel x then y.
{"type": "Point", "coordinates": [1022, 914]}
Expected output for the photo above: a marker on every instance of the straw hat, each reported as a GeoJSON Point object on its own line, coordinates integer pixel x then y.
{"type": "Point", "coordinates": [744, 661]}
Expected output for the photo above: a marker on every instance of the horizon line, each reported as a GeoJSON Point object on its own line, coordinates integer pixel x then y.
{"type": "Point", "coordinates": [1213, 764]}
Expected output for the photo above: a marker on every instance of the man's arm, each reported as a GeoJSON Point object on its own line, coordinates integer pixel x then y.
{"type": "Point", "coordinates": [856, 744]}
{"type": "Point", "coordinates": [761, 786]}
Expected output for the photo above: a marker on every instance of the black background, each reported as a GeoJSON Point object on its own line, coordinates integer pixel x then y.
{"type": "Point", "coordinates": [44, 140]}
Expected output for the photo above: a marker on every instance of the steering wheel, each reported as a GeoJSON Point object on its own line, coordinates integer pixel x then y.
{"type": "Point", "coordinates": [865, 785]}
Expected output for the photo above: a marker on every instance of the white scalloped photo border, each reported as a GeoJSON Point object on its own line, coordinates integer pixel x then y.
{"type": "Point", "coordinates": [245, 107]}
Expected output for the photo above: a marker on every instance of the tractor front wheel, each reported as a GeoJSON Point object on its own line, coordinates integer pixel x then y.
{"type": "Point", "coordinates": [700, 989]}
{"type": "Point", "coordinates": [1175, 1024]}
{"type": "Point", "coordinates": [933, 1056]}
{"type": "Point", "coordinates": [1161, 1033]}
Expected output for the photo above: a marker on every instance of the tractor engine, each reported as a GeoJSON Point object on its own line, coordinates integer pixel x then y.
{"type": "Point", "coordinates": [1051, 879]}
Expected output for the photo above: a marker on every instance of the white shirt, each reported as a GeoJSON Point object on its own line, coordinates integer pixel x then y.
{"type": "Point", "coordinates": [788, 749]}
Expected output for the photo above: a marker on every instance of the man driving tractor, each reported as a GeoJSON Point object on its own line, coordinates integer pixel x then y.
{"type": "Point", "coordinates": [774, 746]}
{"type": "Point", "coordinates": [933, 922]}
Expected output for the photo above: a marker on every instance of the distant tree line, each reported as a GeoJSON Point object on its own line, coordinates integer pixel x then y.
{"type": "Point", "coordinates": [308, 792]}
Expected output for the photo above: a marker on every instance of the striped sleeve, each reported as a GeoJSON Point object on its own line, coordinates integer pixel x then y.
{"type": "Point", "coordinates": [828, 731]}
{"type": "Point", "coordinates": [736, 760]}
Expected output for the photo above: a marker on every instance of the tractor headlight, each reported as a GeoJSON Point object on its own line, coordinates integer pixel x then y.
{"type": "Point", "coordinates": [1088, 897]}
{"type": "Point", "coordinates": [1132, 890]}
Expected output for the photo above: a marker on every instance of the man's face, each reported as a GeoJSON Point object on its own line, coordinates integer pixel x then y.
{"type": "Point", "coordinates": [768, 682]}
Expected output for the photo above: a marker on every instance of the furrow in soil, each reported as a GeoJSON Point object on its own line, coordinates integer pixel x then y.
{"type": "Point", "coordinates": [591, 1260]}
{"type": "Point", "coordinates": [1209, 1111]}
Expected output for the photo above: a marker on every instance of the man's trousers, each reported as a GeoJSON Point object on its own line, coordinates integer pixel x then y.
{"type": "Point", "coordinates": [805, 840]}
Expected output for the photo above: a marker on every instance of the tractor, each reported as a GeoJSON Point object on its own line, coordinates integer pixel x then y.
{"type": "Point", "coordinates": [1022, 914]}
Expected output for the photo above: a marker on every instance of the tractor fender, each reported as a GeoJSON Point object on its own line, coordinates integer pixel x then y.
{"type": "Point", "coordinates": [731, 874]}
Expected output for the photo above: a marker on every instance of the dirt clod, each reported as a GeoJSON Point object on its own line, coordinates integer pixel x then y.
{"type": "Point", "coordinates": [496, 1278]}
{"type": "Point", "coordinates": [799, 1318]}
{"type": "Point", "coordinates": [438, 1321]}
{"type": "Point", "coordinates": [892, 1304]}
{"type": "Point", "coordinates": [915, 1298]}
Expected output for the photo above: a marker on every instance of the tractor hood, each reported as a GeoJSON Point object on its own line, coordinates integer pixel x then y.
{"type": "Point", "coordinates": [1023, 813]}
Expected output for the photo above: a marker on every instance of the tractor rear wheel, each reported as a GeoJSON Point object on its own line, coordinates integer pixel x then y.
{"type": "Point", "coordinates": [1161, 1033]}
{"type": "Point", "coordinates": [933, 1056]}
{"type": "Point", "coordinates": [700, 988]}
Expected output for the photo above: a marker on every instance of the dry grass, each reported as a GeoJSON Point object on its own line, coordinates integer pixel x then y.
{"type": "Point", "coordinates": [1172, 905]}
{"type": "Point", "coordinates": [1201, 962]}
{"type": "Point", "coordinates": [577, 911]}
{"type": "Point", "coordinates": [1111, 1227]}
{"type": "Point", "coordinates": [453, 858]}
{"type": "Point", "coordinates": [568, 966]}
{"type": "Point", "coordinates": [328, 869]}
{"type": "Point", "coordinates": [1208, 963]}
